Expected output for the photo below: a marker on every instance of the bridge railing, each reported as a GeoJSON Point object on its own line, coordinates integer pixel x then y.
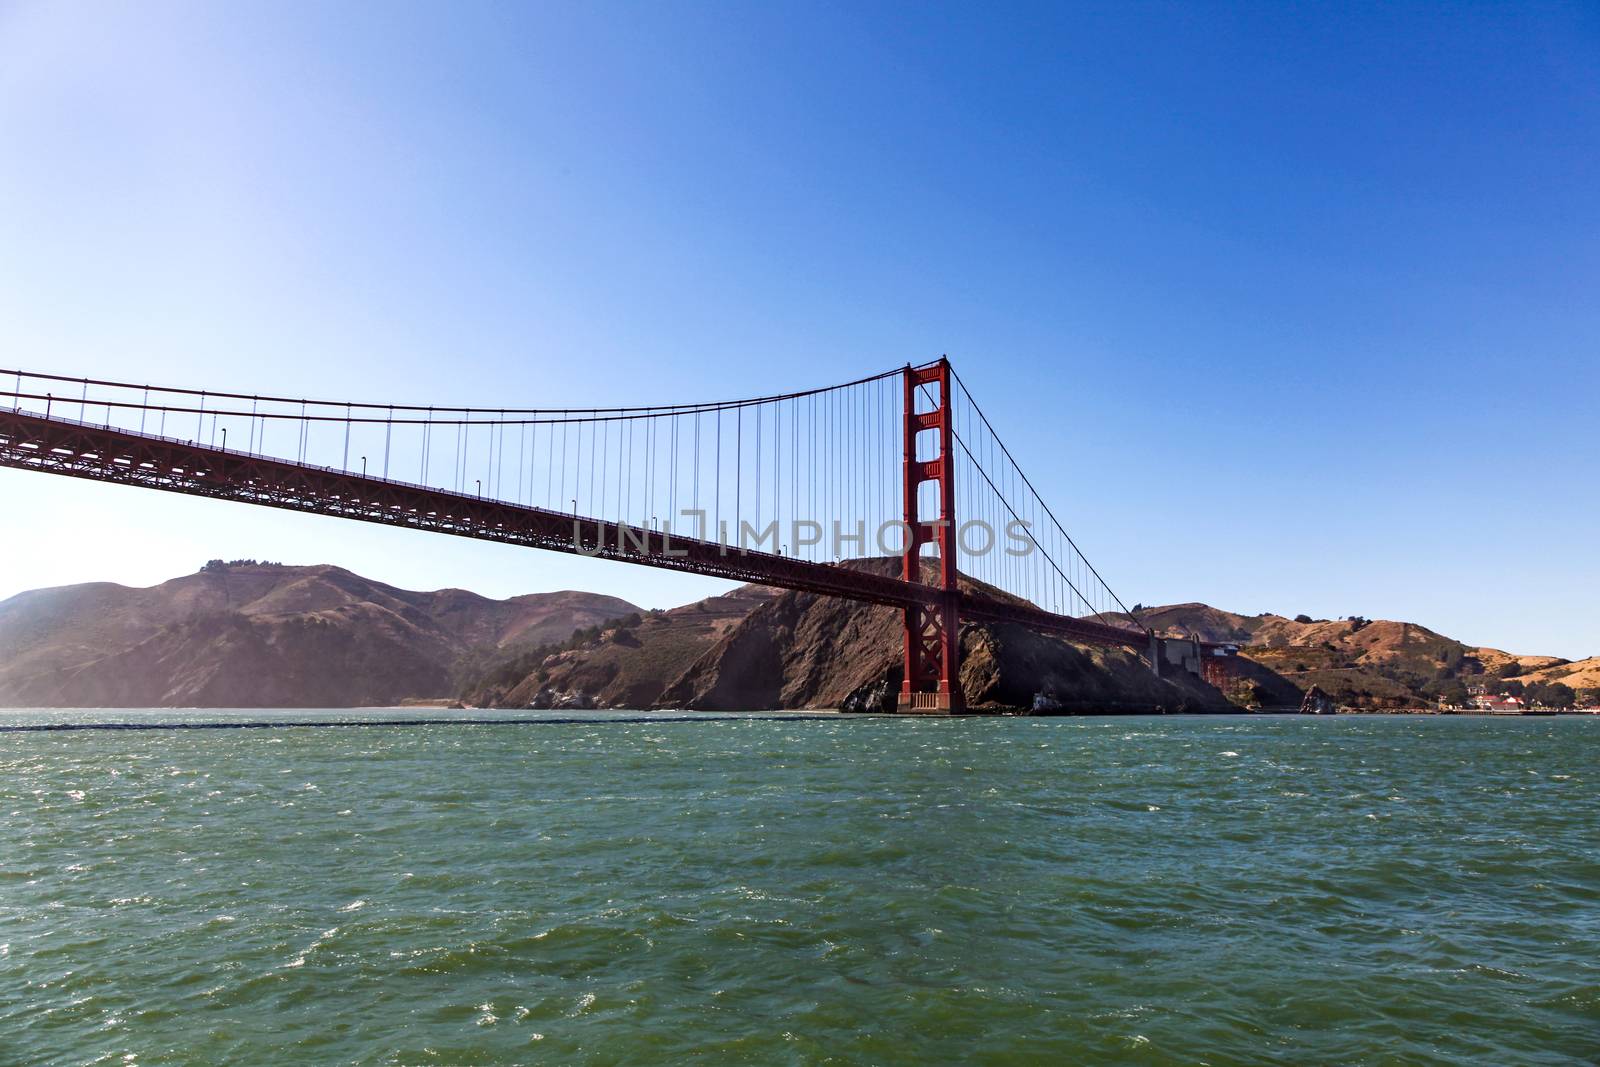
{"type": "Point", "coordinates": [813, 476]}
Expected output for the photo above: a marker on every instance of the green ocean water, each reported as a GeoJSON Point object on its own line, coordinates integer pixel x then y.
{"type": "Point", "coordinates": [1229, 890]}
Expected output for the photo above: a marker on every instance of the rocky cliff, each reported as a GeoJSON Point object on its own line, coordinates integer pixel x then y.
{"type": "Point", "coordinates": [799, 650]}
{"type": "Point", "coordinates": [628, 665]}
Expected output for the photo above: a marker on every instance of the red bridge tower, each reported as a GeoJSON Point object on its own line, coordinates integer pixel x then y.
{"type": "Point", "coordinates": [933, 630]}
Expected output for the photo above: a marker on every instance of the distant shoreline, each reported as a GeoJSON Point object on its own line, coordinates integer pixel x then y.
{"type": "Point", "coordinates": [630, 717]}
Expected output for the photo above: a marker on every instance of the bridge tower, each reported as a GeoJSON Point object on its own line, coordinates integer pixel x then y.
{"type": "Point", "coordinates": [932, 682]}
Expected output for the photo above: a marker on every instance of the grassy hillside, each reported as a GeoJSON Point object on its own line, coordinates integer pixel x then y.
{"type": "Point", "coordinates": [1364, 663]}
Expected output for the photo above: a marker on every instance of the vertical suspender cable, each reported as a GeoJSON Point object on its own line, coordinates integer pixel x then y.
{"type": "Point", "coordinates": [718, 517]}
{"type": "Point", "coordinates": [757, 515]}
{"type": "Point", "coordinates": [777, 472]}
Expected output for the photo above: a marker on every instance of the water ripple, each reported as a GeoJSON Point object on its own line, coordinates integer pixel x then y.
{"type": "Point", "coordinates": [1225, 890]}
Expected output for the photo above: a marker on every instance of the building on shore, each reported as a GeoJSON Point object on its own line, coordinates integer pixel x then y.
{"type": "Point", "coordinates": [1499, 702]}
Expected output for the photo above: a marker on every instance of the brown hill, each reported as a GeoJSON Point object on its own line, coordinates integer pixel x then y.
{"type": "Point", "coordinates": [1496, 661]}
{"type": "Point", "coordinates": [625, 666]}
{"type": "Point", "coordinates": [1192, 620]}
{"type": "Point", "coordinates": [249, 634]}
{"type": "Point", "coordinates": [1579, 674]}
{"type": "Point", "coordinates": [787, 655]}
{"type": "Point", "coordinates": [1359, 662]}
{"type": "Point", "coordinates": [799, 650]}
{"type": "Point", "coordinates": [262, 635]}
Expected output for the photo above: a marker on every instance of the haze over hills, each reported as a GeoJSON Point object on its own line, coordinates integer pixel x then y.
{"type": "Point", "coordinates": [250, 634]}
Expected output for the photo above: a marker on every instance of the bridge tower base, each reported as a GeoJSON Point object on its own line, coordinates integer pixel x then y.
{"type": "Point", "coordinates": [932, 680]}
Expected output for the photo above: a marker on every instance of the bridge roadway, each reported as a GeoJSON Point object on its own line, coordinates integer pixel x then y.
{"type": "Point", "coordinates": [75, 449]}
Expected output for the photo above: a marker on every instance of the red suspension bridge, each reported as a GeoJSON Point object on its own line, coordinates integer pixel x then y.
{"type": "Point", "coordinates": [785, 490]}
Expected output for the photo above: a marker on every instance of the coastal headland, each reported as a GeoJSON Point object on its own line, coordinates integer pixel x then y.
{"type": "Point", "coordinates": [252, 634]}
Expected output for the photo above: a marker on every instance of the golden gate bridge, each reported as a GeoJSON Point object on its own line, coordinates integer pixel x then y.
{"type": "Point", "coordinates": [808, 490]}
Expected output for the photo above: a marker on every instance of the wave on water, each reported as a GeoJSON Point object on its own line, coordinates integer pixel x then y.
{"type": "Point", "coordinates": [1307, 890]}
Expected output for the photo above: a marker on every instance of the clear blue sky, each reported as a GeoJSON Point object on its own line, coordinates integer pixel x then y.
{"type": "Point", "coordinates": [1285, 308]}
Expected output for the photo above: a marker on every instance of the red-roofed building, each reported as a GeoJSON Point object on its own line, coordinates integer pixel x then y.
{"type": "Point", "coordinates": [1498, 702]}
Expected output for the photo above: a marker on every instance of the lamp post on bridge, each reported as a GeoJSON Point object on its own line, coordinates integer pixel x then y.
{"type": "Point", "coordinates": [363, 466]}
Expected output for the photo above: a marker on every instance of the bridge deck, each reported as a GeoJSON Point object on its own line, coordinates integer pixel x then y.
{"type": "Point", "coordinates": [109, 454]}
